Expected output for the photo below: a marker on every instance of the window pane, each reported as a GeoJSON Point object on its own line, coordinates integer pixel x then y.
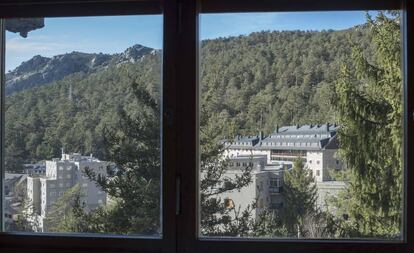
{"type": "Point", "coordinates": [301, 125]}
{"type": "Point", "coordinates": [82, 125]}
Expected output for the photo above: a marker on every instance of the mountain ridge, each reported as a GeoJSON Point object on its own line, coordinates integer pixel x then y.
{"type": "Point", "coordinates": [40, 70]}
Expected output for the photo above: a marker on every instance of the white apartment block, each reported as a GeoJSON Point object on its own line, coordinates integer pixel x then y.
{"type": "Point", "coordinates": [61, 175]}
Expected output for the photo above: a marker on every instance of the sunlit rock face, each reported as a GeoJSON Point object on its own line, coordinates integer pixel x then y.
{"type": "Point", "coordinates": [39, 70]}
{"type": "Point", "coordinates": [24, 25]}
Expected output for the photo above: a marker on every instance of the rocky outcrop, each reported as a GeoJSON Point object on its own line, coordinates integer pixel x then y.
{"type": "Point", "coordinates": [133, 54]}
{"type": "Point", "coordinates": [40, 70]}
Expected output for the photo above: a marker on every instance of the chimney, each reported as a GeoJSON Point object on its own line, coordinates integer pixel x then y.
{"type": "Point", "coordinates": [327, 127]}
{"type": "Point", "coordinates": [277, 128]}
{"type": "Point", "coordinates": [260, 135]}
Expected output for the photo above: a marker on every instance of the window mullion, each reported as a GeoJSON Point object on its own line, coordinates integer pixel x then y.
{"type": "Point", "coordinates": [408, 71]}
{"type": "Point", "coordinates": [2, 81]}
{"type": "Point", "coordinates": [169, 163]}
{"type": "Point", "coordinates": [187, 123]}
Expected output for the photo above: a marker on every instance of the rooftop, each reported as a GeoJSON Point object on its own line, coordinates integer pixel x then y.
{"type": "Point", "coordinates": [77, 157]}
{"type": "Point", "coordinates": [305, 137]}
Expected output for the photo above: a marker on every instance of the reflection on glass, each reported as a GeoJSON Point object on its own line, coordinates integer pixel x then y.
{"type": "Point", "coordinates": [301, 125]}
{"type": "Point", "coordinates": [82, 125]}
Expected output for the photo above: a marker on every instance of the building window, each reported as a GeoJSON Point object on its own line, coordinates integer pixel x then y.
{"type": "Point", "coordinates": [275, 182]}
{"type": "Point", "coordinates": [228, 203]}
{"type": "Point", "coordinates": [318, 173]}
{"type": "Point", "coordinates": [261, 205]}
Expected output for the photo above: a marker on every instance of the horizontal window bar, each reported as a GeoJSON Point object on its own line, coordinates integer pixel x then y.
{"type": "Point", "coordinates": [248, 246]}
{"type": "Point", "coordinates": [11, 9]}
{"type": "Point", "coordinates": [217, 6]}
{"type": "Point", "coordinates": [84, 242]}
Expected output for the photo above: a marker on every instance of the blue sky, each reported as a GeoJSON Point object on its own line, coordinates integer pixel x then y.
{"type": "Point", "coordinates": [116, 33]}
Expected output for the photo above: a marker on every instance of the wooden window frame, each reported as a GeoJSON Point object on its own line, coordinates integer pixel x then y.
{"type": "Point", "coordinates": [39, 242]}
{"type": "Point", "coordinates": [188, 239]}
{"type": "Point", "coordinates": [180, 128]}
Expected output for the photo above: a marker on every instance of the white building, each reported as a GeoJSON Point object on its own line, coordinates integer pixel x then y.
{"type": "Point", "coordinates": [327, 190]}
{"type": "Point", "coordinates": [316, 144]}
{"type": "Point", "coordinates": [264, 192]}
{"type": "Point", "coordinates": [61, 175]}
{"type": "Point", "coordinates": [14, 186]}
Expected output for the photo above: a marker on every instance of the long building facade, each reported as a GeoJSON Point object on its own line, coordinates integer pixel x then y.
{"type": "Point", "coordinates": [60, 176]}
{"type": "Point", "coordinates": [316, 145]}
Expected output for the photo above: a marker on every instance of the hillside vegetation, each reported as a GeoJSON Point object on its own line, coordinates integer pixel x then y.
{"type": "Point", "coordinates": [249, 83]}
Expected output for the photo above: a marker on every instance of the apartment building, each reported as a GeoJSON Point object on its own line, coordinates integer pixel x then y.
{"type": "Point", "coordinates": [317, 145]}
{"type": "Point", "coordinates": [271, 155]}
{"type": "Point", "coordinates": [61, 175]}
{"type": "Point", "coordinates": [264, 191]}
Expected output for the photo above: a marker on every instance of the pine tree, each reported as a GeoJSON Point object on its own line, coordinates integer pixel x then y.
{"type": "Point", "coordinates": [26, 218]}
{"type": "Point", "coordinates": [134, 148]}
{"type": "Point", "coordinates": [63, 214]}
{"type": "Point", "coordinates": [216, 218]}
{"type": "Point", "coordinates": [300, 198]}
{"type": "Point", "coordinates": [369, 105]}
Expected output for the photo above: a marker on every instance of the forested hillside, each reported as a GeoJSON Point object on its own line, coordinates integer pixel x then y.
{"type": "Point", "coordinates": [73, 113]}
{"type": "Point", "coordinates": [248, 83]}
{"type": "Point", "coordinates": [266, 79]}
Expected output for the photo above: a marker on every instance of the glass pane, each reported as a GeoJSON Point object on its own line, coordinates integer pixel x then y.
{"type": "Point", "coordinates": [82, 125]}
{"type": "Point", "coordinates": [301, 125]}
